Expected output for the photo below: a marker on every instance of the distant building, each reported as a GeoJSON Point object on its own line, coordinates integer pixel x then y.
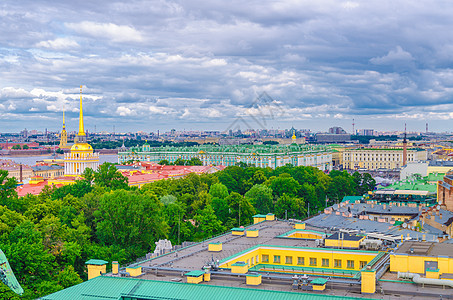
{"type": "Point", "coordinates": [330, 138]}
{"type": "Point", "coordinates": [229, 155]}
{"type": "Point", "coordinates": [374, 158]}
{"type": "Point", "coordinates": [336, 130]}
{"type": "Point", "coordinates": [366, 132]}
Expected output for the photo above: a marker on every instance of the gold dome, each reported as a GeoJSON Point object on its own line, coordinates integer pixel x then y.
{"type": "Point", "coordinates": [81, 147]}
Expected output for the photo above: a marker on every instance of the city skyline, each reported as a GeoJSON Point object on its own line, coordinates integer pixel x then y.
{"type": "Point", "coordinates": [196, 66]}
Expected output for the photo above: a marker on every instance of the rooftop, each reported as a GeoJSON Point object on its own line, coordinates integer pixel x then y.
{"type": "Point", "coordinates": [426, 249]}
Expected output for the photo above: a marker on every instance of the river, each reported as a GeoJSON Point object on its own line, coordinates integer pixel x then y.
{"type": "Point", "coordinates": [31, 160]}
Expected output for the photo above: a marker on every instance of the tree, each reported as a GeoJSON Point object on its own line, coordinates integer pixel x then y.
{"type": "Point", "coordinates": [164, 162]}
{"type": "Point", "coordinates": [180, 162]}
{"type": "Point", "coordinates": [194, 161]}
{"type": "Point", "coordinates": [284, 184]}
{"type": "Point", "coordinates": [291, 207]}
{"type": "Point", "coordinates": [240, 209]}
{"type": "Point", "coordinates": [16, 147]}
{"type": "Point", "coordinates": [207, 223]}
{"type": "Point", "coordinates": [7, 187]}
{"type": "Point", "coordinates": [108, 176]}
{"type": "Point", "coordinates": [261, 198]}
{"type": "Point", "coordinates": [130, 219]}
{"type": "Point", "coordinates": [168, 199]}
{"type": "Point", "coordinates": [218, 190]}
{"type": "Point", "coordinates": [221, 209]}
{"type": "Point", "coordinates": [88, 175]}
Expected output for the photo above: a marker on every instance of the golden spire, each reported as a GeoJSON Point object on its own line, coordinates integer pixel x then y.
{"type": "Point", "coordinates": [64, 125]}
{"type": "Point", "coordinates": [81, 129]}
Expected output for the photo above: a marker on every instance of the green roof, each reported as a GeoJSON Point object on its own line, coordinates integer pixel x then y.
{"type": "Point", "coordinates": [239, 263]}
{"type": "Point", "coordinates": [195, 273]}
{"type": "Point", "coordinates": [319, 281]}
{"type": "Point", "coordinates": [237, 229]}
{"type": "Point", "coordinates": [108, 288]}
{"type": "Point", "coordinates": [98, 262]}
{"type": "Point", "coordinates": [259, 216]}
{"type": "Point", "coordinates": [286, 234]}
{"type": "Point", "coordinates": [351, 198]}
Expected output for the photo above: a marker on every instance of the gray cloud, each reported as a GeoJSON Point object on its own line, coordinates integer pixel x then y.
{"type": "Point", "coordinates": [164, 64]}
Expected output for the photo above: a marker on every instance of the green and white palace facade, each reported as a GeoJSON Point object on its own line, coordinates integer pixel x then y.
{"type": "Point", "coordinates": [257, 155]}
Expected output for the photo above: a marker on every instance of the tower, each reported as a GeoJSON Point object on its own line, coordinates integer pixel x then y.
{"type": "Point", "coordinates": [404, 146]}
{"type": "Point", "coordinates": [82, 155]}
{"type": "Point", "coordinates": [63, 135]}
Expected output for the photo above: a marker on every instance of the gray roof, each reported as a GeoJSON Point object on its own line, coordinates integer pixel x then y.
{"type": "Point", "coordinates": [47, 168]}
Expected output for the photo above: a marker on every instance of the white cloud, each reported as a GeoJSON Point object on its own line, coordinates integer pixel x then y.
{"type": "Point", "coordinates": [58, 44]}
{"type": "Point", "coordinates": [393, 56]}
{"type": "Point", "coordinates": [111, 31]}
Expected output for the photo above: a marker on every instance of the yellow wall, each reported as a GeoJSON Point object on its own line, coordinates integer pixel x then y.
{"type": "Point", "coordinates": [194, 279]}
{"type": "Point", "coordinates": [299, 226]}
{"type": "Point", "coordinates": [416, 264]}
{"type": "Point", "coordinates": [305, 235]}
{"type": "Point", "coordinates": [257, 220]}
{"type": "Point", "coordinates": [369, 281]}
{"type": "Point", "coordinates": [207, 277]}
{"type": "Point", "coordinates": [343, 243]}
{"type": "Point", "coordinates": [250, 257]}
{"type": "Point", "coordinates": [134, 271]}
{"type": "Point", "coordinates": [115, 267]}
{"type": "Point", "coordinates": [252, 233]}
{"type": "Point", "coordinates": [237, 232]}
{"type": "Point", "coordinates": [253, 280]}
{"type": "Point", "coordinates": [96, 270]}
{"type": "Point", "coordinates": [317, 287]}
{"type": "Point", "coordinates": [240, 269]}
{"type": "Point", "coordinates": [270, 217]}
{"type": "Point", "coordinates": [215, 247]}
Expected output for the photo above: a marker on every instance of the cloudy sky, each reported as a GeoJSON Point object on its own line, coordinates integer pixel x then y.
{"type": "Point", "coordinates": [149, 65]}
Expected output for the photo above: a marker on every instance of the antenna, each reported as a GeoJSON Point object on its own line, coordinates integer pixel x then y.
{"type": "Point", "coordinates": [426, 127]}
{"type": "Point", "coordinates": [353, 128]}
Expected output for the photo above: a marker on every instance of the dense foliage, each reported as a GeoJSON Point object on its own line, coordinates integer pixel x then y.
{"type": "Point", "coordinates": [47, 238]}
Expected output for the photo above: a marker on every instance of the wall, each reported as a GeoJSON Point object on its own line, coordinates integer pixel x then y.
{"type": "Point", "coordinates": [250, 256]}
{"type": "Point", "coordinates": [416, 263]}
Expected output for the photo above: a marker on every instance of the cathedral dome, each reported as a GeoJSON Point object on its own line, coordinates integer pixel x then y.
{"type": "Point", "coordinates": [81, 147]}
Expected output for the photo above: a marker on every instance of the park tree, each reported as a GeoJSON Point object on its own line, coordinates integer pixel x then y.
{"type": "Point", "coordinates": [260, 196]}
{"type": "Point", "coordinates": [291, 207]}
{"type": "Point", "coordinates": [241, 209]}
{"type": "Point", "coordinates": [218, 190]}
{"type": "Point", "coordinates": [207, 223]}
{"type": "Point", "coordinates": [108, 176]}
{"type": "Point", "coordinates": [130, 219]}
{"type": "Point", "coordinates": [283, 184]}
{"type": "Point", "coordinates": [7, 187]}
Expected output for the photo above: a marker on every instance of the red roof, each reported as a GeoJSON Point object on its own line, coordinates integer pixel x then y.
{"type": "Point", "coordinates": [33, 189]}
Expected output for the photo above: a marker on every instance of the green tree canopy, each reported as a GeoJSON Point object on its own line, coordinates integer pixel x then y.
{"type": "Point", "coordinates": [108, 176]}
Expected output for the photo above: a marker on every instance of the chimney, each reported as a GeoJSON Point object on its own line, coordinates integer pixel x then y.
{"type": "Point", "coordinates": [20, 172]}
{"type": "Point", "coordinates": [437, 212]}
{"type": "Point", "coordinates": [419, 208]}
{"type": "Point", "coordinates": [440, 216]}
{"type": "Point", "coordinates": [384, 206]}
{"type": "Point", "coordinates": [372, 205]}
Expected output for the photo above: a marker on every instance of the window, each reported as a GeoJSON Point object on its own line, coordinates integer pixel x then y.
{"type": "Point", "coordinates": [265, 258]}
{"type": "Point", "coordinates": [325, 262]}
{"type": "Point", "coordinates": [277, 259]}
{"type": "Point", "coordinates": [350, 264]}
{"type": "Point", "coordinates": [313, 261]}
{"type": "Point", "coordinates": [362, 264]}
{"type": "Point", "coordinates": [301, 261]}
{"type": "Point", "coordinates": [337, 263]}
{"type": "Point", "coordinates": [289, 260]}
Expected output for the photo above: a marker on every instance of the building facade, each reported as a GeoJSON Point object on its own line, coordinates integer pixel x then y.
{"type": "Point", "coordinates": [272, 156]}
{"type": "Point", "coordinates": [376, 158]}
{"type": "Point", "coordinates": [81, 155]}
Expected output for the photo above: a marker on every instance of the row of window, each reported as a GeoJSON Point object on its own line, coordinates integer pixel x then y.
{"type": "Point", "coordinates": [313, 261]}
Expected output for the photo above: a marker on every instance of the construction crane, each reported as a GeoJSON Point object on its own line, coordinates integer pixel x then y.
{"type": "Point", "coordinates": [7, 275]}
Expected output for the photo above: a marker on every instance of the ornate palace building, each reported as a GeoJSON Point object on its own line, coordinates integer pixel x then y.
{"type": "Point", "coordinates": [81, 155]}
{"type": "Point", "coordinates": [228, 155]}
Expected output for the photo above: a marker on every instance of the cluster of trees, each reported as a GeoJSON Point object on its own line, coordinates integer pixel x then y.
{"type": "Point", "coordinates": [47, 238]}
{"type": "Point", "coordinates": [365, 139]}
{"type": "Point", "coordinates": [18, 147]}
{"type": "Point", "coordinates": [194, 161]}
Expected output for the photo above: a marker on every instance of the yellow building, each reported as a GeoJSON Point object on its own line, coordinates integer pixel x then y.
{"type": "Point", "coordinates": [376, 158]}
{"type": "Point", "coordinates": [81, 155]}
{"type": "Point", "coordinates": [344, 240]}
{"type": "Point", "coordinates": [63, 136]}
{"type": "Point", "coordinates": [419, 257]}
{"type": "Point", "coordinates": [299, 259]}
